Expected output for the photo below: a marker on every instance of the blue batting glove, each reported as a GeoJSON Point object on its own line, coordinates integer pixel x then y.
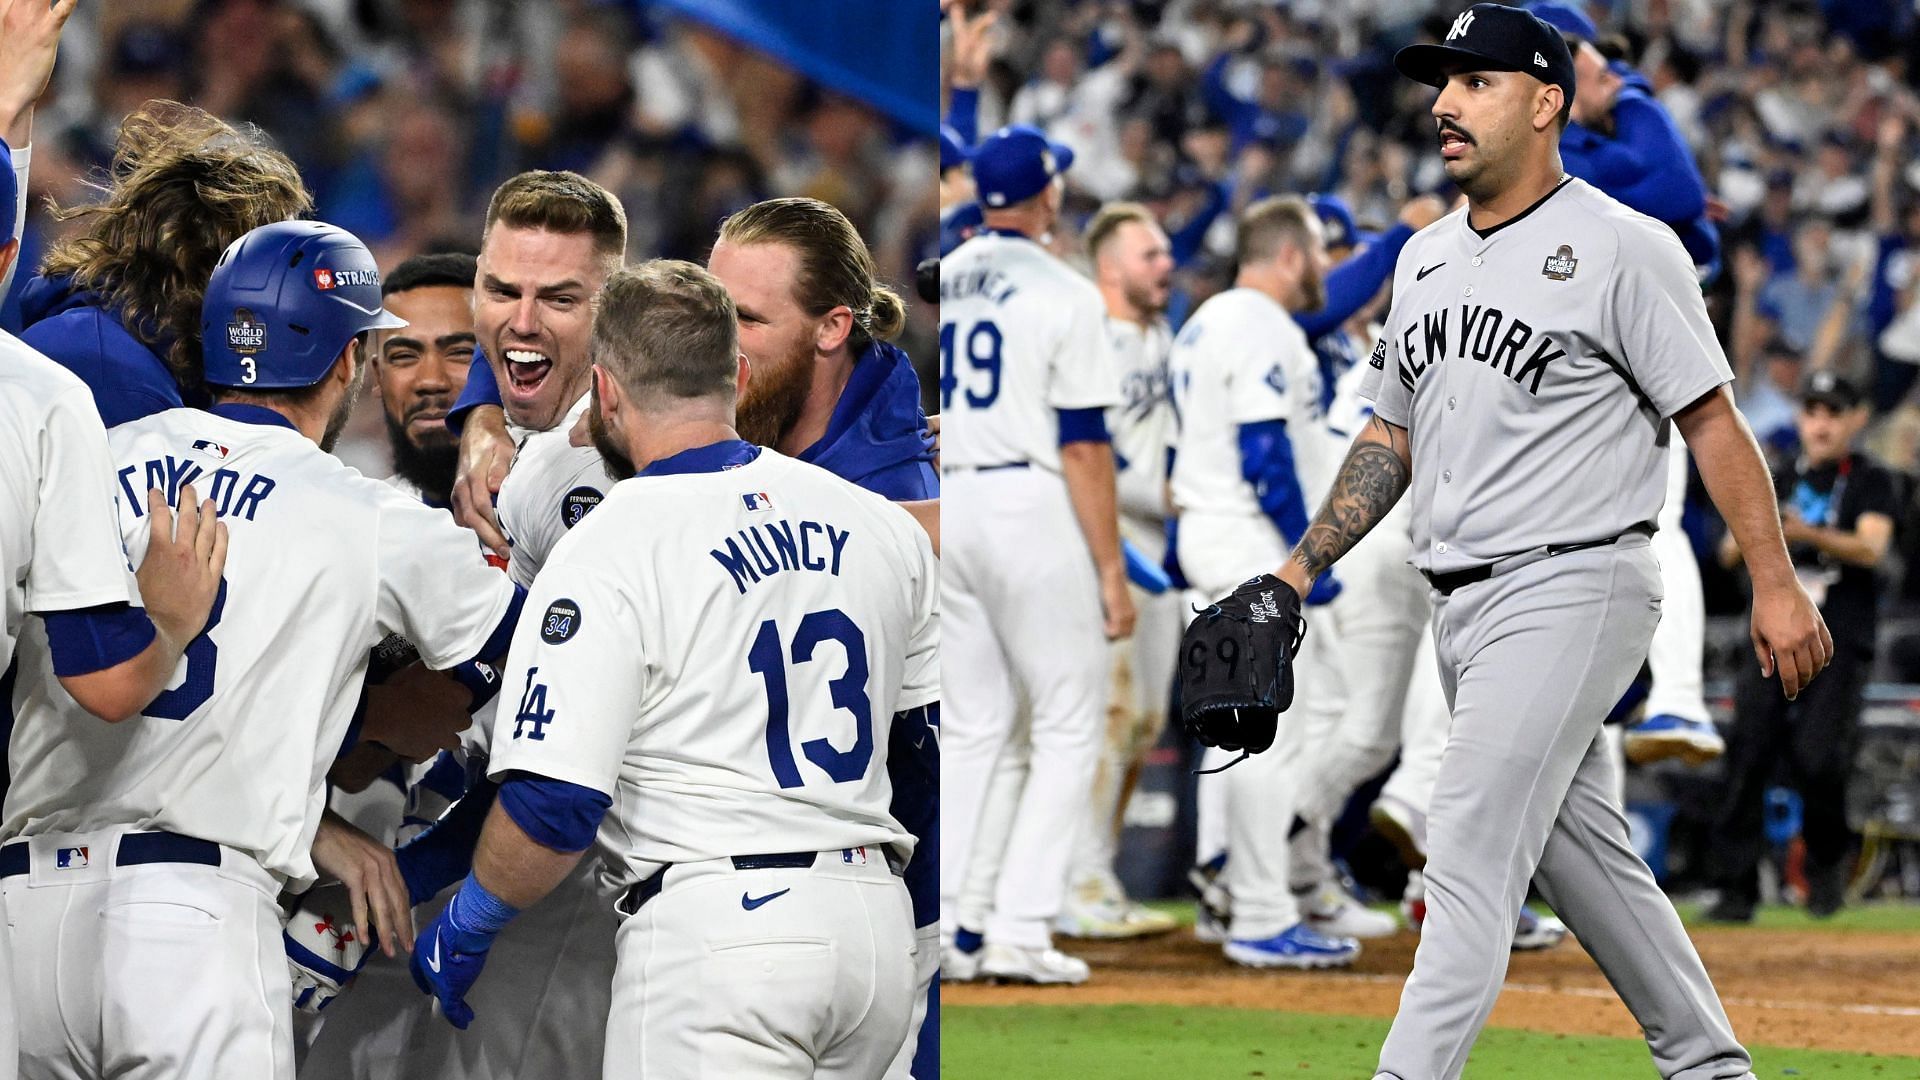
{"type": "Point", "coordinates": [447, 957]}
{"type": "Point", "coordinates": [1325, 588]}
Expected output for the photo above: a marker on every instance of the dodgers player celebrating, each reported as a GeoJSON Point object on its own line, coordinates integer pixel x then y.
{"type": "Point", "coordinates": [712, 543]}
{"type": "Point", "coordinates": [1543, 343]}
{"type": "Point", "coordinates": [159, 845]}
{"type": "Point", "coordinates": [1026, 375]}
{"type": "Point", "coordinates": [60, 557]}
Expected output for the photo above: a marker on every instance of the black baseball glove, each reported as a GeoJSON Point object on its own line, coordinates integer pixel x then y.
{"type": "Point", "coordinates": [1236, 666]}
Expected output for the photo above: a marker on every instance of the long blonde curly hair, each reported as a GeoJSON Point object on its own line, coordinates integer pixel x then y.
{"type": "Point", "coordinates": [183, 185]}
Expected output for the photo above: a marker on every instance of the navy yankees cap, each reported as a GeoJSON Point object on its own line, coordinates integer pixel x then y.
{"type": "Point", "coordinates": [1016, 163]}
{"type": "Point", "coordinates": [1492, 37]}
{"type": "Point", "coordinates": [1833, 390]}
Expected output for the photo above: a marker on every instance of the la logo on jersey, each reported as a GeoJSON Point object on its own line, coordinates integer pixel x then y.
{"type": "Point", "coordinates": [757, 502]}
{"type": "Point", "coordinates": [1460, 25]}
{"type": "Point", "coordinates": [70, 858]}
{"type": "Point", "coordinates": [1560, 264]}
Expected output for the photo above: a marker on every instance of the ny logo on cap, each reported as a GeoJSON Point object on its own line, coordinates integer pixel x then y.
{"type": "Point", "coordinates": [1460, 24]}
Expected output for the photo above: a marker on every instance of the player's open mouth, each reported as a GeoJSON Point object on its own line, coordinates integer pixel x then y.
{"type": "Point", "coordinates": [526, 370]}
{"type": "Point", "coordinates": [1452, 144]}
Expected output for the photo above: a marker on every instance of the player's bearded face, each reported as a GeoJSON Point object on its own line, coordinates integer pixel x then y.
{"type": "Point", "coordinates": [1148, 268]}
{"type": "Point", "coordinates": [343, 409]}
{"type": "Point", "coordinates": [776, 389]}
{"type": "Point", "coordinates": [619, 465]}
{"type": "Point", "coordinates": [775, 333]}
{"type": "Point", "coordinates": [533, 312]}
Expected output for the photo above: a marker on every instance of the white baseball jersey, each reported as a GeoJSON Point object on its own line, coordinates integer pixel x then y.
{"type": "Point", "coordinates": [1241, 359]}
{"type": "Point", "coordinates": [552, 485]}
{"type": "Point", "coordinates": [59, 539]}
{"type": "Point", "coordinates": [1021, 335]}
{"type": "Point", "coordinates": [722, 652]}
{"type": "Point", "coordinates": [1561, 340]}
{"type": "Point", "coordinates": [322, 564]}
{"type": "Point", "coordinates": [1142, 424]}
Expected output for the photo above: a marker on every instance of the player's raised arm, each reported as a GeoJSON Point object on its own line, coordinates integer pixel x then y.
{"type": "Point", "coordinates": [1371, 480]}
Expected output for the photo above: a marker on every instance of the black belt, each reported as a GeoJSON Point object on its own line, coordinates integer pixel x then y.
{"type": "Point", "coordinates": [643, 891]}
{"type": "Point", "coordinates": [989, 468]}
{"type": "Point", "coordinates": [136, 849]}
{"type": "Point", "coordinates": [1446, 583]}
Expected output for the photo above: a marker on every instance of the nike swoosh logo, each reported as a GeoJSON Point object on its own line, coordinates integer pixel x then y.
{"type": "Point", "coordinates": [1424, 271]}
{"type": "Point", "coordinates": [751, 902]}
{"type": "Point", "coordinates": [433, 960]}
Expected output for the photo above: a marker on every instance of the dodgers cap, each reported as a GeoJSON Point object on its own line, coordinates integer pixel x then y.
{"type": "Point", "coordinates": [1016, 163]}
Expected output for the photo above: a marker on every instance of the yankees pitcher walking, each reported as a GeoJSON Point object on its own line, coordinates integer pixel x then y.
{"type": "Point", "coordinates": [1543, 343]}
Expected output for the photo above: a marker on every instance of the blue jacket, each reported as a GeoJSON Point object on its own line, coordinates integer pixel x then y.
{"type": "Point", "coordinates": [877, 436]}
{"type": "Point", "coordinates": [129, 378]}
{"type": "Point", "coordinates": [1647, 165]}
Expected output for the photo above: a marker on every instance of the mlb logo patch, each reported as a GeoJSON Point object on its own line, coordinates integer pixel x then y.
{"type": "Point", "coordinates": [70, 858]}
{"type": "Point", "coordinates": [323, 279]}
{"type": "Point", "coordinates": [854, 856]}
{"type": "Point", "coordinates": [758, 502]}
{"type": "Point", "coordinates": [210, 448]}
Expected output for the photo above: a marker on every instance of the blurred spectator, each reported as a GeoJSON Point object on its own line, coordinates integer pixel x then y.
{"type": "Point", "coordinates": [1837, 509]}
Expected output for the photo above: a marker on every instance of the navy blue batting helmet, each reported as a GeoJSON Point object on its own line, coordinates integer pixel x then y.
{"type": "Point", "coordinates": [284, 301]}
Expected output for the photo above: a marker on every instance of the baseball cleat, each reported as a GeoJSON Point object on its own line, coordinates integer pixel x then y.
{"type": "Point", "coordinates": [1038, 967]}
{"type": "Point", "coordinates": [1403, 827]}
{"type": "Point", "coordinates": [1658, 738]}
{"type": "Point", "coordinates": [1332, 911]}
{"type": "Point", "coordinates": [1537, 931]}
{"type": "Point", "coordinates": [1109, 922]}
{"type": "Point", "coordinates": [960, 958]}
{"type": "Point", "coordinates": [1298, 946]}
{"type": "Point", "coordinates": [1215, 909]}
{"type": "Point", "coordinates": [1098, 907]}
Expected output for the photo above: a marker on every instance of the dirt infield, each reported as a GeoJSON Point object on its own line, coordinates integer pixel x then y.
{"type": "Point", "coordinates": [1827, 990]}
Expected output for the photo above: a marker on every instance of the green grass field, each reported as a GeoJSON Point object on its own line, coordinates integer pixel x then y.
{"type": "Point", "coordinates": [1164, 1042]}
{"type": "Point", "coordinates": [1168, 1042]}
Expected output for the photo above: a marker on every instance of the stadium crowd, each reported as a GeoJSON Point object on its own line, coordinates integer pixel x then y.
{"type": "Point", "coordinates": [403, 116]}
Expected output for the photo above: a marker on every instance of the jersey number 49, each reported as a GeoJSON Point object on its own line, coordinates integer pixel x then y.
{"type": "Point", "coordinates": [983, 354]}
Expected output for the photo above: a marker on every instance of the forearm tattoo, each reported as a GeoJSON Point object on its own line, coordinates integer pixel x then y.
{"type": "Point", "coordinates": [1371, 480]}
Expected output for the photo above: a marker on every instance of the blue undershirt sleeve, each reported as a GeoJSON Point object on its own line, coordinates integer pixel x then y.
{"type": "Point", "coordinates": [1266, 462]}
{"type": "Point", "coordinates": [963, 114]}
{"type": "Point", "coordinates": [481, 389]}
{"type": "Point", "coordinates": [1083, 425]}
{"type": "Point", "coordinates": [1356, 281]}
{"type": "Point", "coordinates": [92, 639]}
{"type": "Point", "coordinates": [555, 813]}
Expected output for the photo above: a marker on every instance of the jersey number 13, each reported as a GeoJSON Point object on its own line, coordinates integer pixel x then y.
{"type": "Point", "coordinates": [768, 660]}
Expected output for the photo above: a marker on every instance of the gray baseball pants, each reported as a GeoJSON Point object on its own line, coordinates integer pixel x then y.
{"type": "Point", "coordinates": [1531, 661]}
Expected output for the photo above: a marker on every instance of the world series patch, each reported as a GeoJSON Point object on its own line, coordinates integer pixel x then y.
{"type": "Point", "coordinates": [578, 504]}
{"type": "Point", "coordinates": [562, 621]}
{"type": "Point", "coordinates": [246, 334]}
{"type": "Point", "coordinates": [1560, 264]}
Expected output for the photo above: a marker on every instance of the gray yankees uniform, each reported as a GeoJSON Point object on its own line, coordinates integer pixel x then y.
{"type": "Point", "coordinates": [1535, 368]}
